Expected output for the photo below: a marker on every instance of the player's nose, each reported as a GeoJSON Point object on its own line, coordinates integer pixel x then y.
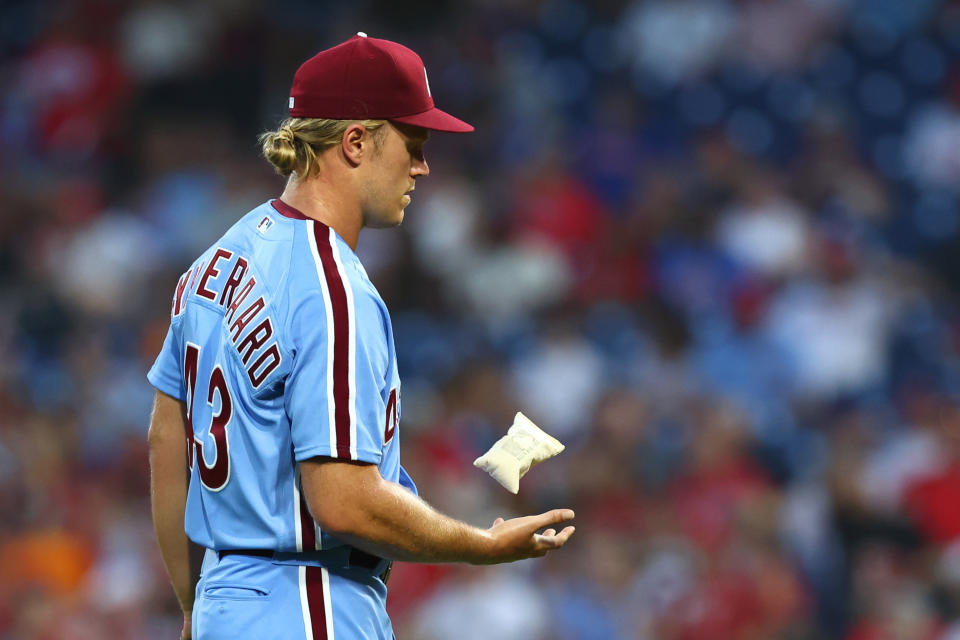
{"type": "Point", "coordinates": [419, 168]}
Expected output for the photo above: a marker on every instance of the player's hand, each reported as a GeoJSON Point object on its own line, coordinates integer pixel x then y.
{"type": "Point", "coordinates": [186, 633]}
{"type": "Point", "coordinates": [517, 539]}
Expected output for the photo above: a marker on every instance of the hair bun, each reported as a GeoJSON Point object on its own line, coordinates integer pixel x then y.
{"type": "Point", "coordinates": [279, 149]}
{"type": "Point", "coordinates": [284, 134]}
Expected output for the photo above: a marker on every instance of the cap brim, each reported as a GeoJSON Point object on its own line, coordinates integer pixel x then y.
{"type": "Point", "coordinates": [436, 120]}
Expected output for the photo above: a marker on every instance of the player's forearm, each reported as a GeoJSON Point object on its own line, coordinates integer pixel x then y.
{"type": "Point", "coordinates": [393, 523]}
{"type": "Point", "coordinates": [181, 556]}
{"type": "Point", "coordinates": [355, 504]}
{"type": "Point", "coordinates": [168, 496]}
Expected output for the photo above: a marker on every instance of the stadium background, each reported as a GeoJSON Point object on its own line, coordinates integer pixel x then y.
{"type": "Point", "coordinates": [710, 244]}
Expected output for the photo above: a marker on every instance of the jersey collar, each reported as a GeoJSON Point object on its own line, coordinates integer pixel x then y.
{"type": "Point", "coordinates": [286, 210]}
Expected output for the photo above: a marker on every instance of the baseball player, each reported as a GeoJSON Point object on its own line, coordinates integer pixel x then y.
{"type": "Point", "coordinates": [279, 369]}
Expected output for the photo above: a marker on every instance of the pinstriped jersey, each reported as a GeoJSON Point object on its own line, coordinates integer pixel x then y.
{"type": "Point", "coordinates": [282, 350]}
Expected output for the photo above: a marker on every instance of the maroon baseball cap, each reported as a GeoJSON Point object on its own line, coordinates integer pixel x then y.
{"type": "Point", "coordinates": [368, 79]}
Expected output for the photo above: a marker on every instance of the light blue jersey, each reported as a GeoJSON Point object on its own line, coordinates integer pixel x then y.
{"type": "Point", "coordinates": [282, 350]}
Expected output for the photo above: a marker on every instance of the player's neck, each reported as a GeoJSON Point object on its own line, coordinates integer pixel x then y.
{"type": "Point", "coordinates": [325, 203]}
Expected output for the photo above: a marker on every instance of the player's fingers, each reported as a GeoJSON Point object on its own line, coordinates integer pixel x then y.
{"type": "Point", "coordinates": [550, 532]}
{"type": "Point", "coordinates": [549, 542]}
{"type": "Point", "coordinates": [564, 535]}
{"type": "Point", "coordinates": [554, 516]}
{"type": "Point", "coordinates": [498, 521]}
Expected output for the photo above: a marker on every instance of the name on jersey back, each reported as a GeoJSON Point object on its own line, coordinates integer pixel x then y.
{"type": "Point", "coordinates": [250, 328]}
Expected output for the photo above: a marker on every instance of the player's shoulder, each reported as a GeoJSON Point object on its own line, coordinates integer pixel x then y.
{"type": "Point", "coordinates": [253, 252]}
{"type": "Point", "coordinates": [263, 228]}
{"type": "Point", "coordinates": [327, 280]}
{"type": "Point", "coordinates": [254, 226]}
{"type": "Point", "coordinates": [325, 263]}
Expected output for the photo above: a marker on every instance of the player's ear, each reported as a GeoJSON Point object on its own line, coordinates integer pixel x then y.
{"type": "Point", "coordinates": [352, 143]}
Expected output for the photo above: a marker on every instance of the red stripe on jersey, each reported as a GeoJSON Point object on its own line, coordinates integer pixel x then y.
{"type": "Point", "coordinates": [341, 338]}
{"type": "Point", "coordinates": [315, 603]}
{"type": "Point", "coordinates": [314, 575]}
{"type": "Point", "coordinates": [307, 532]}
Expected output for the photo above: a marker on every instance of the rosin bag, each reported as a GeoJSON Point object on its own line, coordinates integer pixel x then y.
{"type": "Point", "coordinates": [511, 456]}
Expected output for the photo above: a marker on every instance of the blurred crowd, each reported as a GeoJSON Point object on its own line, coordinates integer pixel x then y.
{"type": "Point", "coordinates": [711, 245]}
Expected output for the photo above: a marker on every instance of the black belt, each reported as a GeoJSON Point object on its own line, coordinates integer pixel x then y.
{"type": "Point", "coordinates": [357, 559]}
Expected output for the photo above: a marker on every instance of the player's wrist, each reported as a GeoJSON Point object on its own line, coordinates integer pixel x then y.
{"type": "Point", "coordinates": [484, 549]}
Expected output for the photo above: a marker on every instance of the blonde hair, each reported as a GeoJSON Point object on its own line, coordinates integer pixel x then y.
{"type": "Point", "coordinates": [296, 144]}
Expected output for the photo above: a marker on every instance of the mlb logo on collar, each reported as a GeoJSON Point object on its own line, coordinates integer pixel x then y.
{"type": "Point", "coordinates": [264, 224]}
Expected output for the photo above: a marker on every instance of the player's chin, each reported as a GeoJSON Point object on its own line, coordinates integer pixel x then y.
{"type": "Point", "coordinates": [397, 218]}
{"type": "Point", "coordinates": [385, 221]}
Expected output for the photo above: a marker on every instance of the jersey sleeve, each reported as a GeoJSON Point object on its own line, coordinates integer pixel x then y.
{"type": "Point", "coordinates": [407, 481]}
{"type": "Point", "coordinates": [165, 374]}
{"type": "Point", "coordinates": [334, 392]}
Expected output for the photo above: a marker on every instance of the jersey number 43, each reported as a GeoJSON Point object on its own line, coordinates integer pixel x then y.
{"type": "Point", "coordinates": [213, 476]}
